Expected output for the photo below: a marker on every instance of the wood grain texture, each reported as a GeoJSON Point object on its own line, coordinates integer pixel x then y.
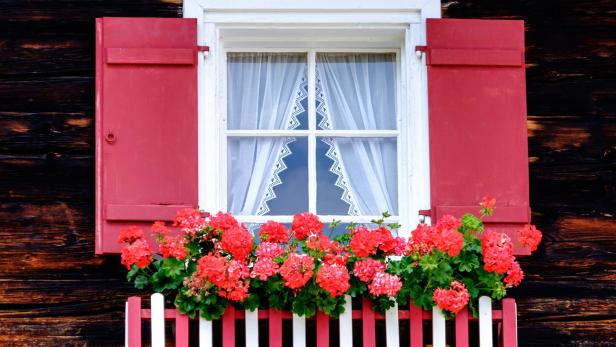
{"type": "Point", "coordinates": [54, 291]}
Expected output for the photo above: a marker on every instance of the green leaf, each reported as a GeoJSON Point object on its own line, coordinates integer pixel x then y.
{"type": "Point", "coordinates": [470, 222]}
{"type": "Point", "coordinates": [141, 281]}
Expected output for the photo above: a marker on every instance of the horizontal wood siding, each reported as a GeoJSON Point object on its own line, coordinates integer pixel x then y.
{"type": "Point", "coordinates": [54, 291]}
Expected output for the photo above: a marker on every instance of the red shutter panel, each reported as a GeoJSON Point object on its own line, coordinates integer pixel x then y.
{"type": "Point", "coordinates": [146, 114]}
{"type": "Point", "coordinates": [477, 118]}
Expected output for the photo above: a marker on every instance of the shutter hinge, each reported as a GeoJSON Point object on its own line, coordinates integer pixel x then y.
{"type": "Point", "coordinates": [423, 214]}
{"type": "Point", "coordinates": [419, 50]}
{"type": "Point", "coordinates": [204, 49]}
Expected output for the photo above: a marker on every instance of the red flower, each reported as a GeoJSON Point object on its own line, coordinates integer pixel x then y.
{"type": "Point", "coordinates": [159, 229]}
{"type": "Point", "coordinates": [366, 269]}
{"type": "Point", "coordinates": [173, 246]}
{"type": "Point", "coordinates": [333, 278]}
{"type": "Point", "coordinates": [497, 252]}
{"type": "Point", "coordinates": [238, 241]}
{"type": "Point", "coordinates": [264, 268]}
{"type": "Point", "coordinates": [212, 268]}
{"type": "Point", "coordinates": [364, 242]}
{"type": "Point", "coordinates": [269, 250]}
{"type": "Point", "coordinates": [189, 220]}
{"type": "Point", "coordinates": [297, 270]}
{"type": "Point", "coordinates": [306, 224]}
{"type": "Point", "coordinates": [274, 232]}
{"type": "Point", "coordinates": [454, 299]}
{"type": "Point", "coordinates": [515, 275]}
{"type": "Point", "coordinates": [138, 253]}
{"type": "Point", "coordinates": [450, 241]}
{"type": "Point", "coordinates": [230, 276]}
{"type": "Point", "coordinates": [530, 237]}
{"type": "Point", "coordinates": [421, 240]}
{"type": "Point", "coordinates": [387, 242]}
{"type": "Point", "coordinates": [487, 205]}
{"type": "Point", "coordinates": [130, 234]}
{"type": "Point", "coordinates": [448, 222]}
{"type": "Point", "coordinates": [223, 221]}
{"type": "Point", "coordinates": [321, 243]}
{"type": "Point", "coordinates": [385, 284]}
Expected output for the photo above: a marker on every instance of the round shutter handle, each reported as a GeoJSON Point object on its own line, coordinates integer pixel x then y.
{"type": "Point", "coordinates": [110, 137]}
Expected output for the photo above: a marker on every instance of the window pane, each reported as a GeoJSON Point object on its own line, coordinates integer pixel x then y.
{"type": "Point", "coordinates": [356, 91]}
{"type": "Point", "coordinates": [266, 91]}
{"type": "Point", "coordinates": [357, 176]}
{"type": "Point", "coordinates": [267, 176]}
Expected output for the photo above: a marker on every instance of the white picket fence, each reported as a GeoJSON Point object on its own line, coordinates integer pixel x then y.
{"type": "Point", "coordinates": [505, 320]}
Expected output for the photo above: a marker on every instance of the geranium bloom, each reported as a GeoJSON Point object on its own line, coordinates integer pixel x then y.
{"type": "Point", "coordinates": [333, 278]}
{"type": "Point", "coordinates": [297, 270]}
{"type": "Point", "coordinates": [515, 275]}
{"type": "Point", "coordinates": [173, 246]}
{"type": "Point", "coordinates": [421, 240]}
{"type": "Point", "coordinates": [238, 241]}
{"type": "Point", "coordinates": [274, 232]}
{"type": "Point", "coordinates": [189, 220]}
{"type": "Point", "coordinates": [320, 243]}
{"type": "Point", "coordinates": [364, 242]}
{"type": "Point", "coordinates": [305, 224]}
{"type": "Point", "coordinates": [400, 248]}
{"type": "Point", "coordinates": [497, 250]}
{"type": "Point", "coordinates": [264, 268]}
{"type": "Point", "coordinates": [450, 241]}
{"type": "Point", "coordinates": [530, 236]}
{"type": "Point", "coordinates": [385, 284]}
{"type": "Point", "coordinates": [130, 234]}
{"type": "Point", "coordinates": [269, 250]}
{"type": "Point", "coordinates": [159, 229]}
{"type": "Point", "coordinates": [138, 253]}
{"type": "Point", "coordinates": [487, 205]}
{"type": "Point", "coordinates": [387, 242]}
{"type": "Point", "coordinates": [230, 276]}
{"type": "Point", "coordinates": [366, 269]}
{"type": "Point", "coordinates": [454, 299]}
{"type": "Point", "coordinates": [211, 268]}
{"type": "Point", "coordinates": [448, 222]}
{"type": "Point", "coordinates": [223, 221]}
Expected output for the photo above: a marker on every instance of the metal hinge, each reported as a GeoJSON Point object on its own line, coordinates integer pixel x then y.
{"type": "Point", "coordinates": [419, 50]}
{"type": "Point", "coordinates": [423, 214]}
{"type": "Point", "coordinates": [204, 49]}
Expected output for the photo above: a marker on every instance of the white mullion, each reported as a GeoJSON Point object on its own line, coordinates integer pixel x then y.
{"type": "Point", "coordinates": [324, 219]}
{"type": "Point", "coordinates": [312, 141]}
{"type": "Point", "coordinates": [317, 133]}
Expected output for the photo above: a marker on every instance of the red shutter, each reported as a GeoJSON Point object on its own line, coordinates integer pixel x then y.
{"type": "Point", "coordinates": [477, 112]}
{"type": "Point", "coordinates": [146, 114]}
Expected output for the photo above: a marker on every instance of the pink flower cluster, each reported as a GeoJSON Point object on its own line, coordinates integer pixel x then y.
{"type": "Point", "coordinates": [138, 251]}
{"type": "Point", "coordinates": [385, 284]}
{"type": "Point", "coordinates": [454, 299]}
{"type": "Point", "coordinates": [306, 224]}
{"type": "Point", "coordinates": [333, 278]}
{"type": "Point", "coordinates": [230, 276]}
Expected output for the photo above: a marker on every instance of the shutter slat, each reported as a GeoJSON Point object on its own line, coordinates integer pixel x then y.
{"type": "Point", "coordinates": [158, 56]}
{"type": "Point", "coordinates": [475, 57]}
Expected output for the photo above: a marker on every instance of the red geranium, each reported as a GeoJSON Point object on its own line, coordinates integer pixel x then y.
{"type": "Point", "coordinates": [238, 241]}
{"type": "Point", "coordinates": [159, 229]}
{"type": "Point", "coordinates": [364, 242]}
{"type": "Point", "coordinates": [173, 246]}
{"type": "Point", "coordinates": [333, 278]}
{"type": "Point", "coordinates": [223, 221]}
{"type": "Point", "coordinates": [130, 234]}
{"type": "Point", "coordinates": [515, 275]}
{"type": "Point", "coordinates": [138, 253]}
{"type": "Point", "coordinates": [189, 220]}
{"type": "Point", "coordinates": [497, 250]}
{"type": "Point", "coordinates": [421, 240]}
{"type": "Point", "coordinates": [274, 232]}
{"type": "Point", "coordinates": [297, 270]}
{"type": "Point", "coordinates": [385, 284]}
{"type": "Point", "coordinates": [269, 250]}
{"type": "Point", "coordinates": [306, 224]}
{"type": "Point", "coordinates": [487, 205]}
{"type": "Point", "coordinates": [530, 237]}
{"type": "Point", "coordinates": [450, 241]}
{"type": "Point", "coordinates": [454, 299]}
{"type": "Point", "coordinates": [264, 268]}
{"type": "Point", "coordinates": [366, 269]}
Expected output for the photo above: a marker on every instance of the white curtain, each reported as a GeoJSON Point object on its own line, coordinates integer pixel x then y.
{"type": "Point", "coordinates": [357, 91]}
{"type": "Point", "coordinates": [264, 91]}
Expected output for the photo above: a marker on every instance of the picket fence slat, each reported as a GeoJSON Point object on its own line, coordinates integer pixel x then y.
{"type": "Point", "coordinates": [299, 331]}
{"type": "Point", "coordinates": [506, 318]}
{"type": "Point", "coordinates": [206, 336]}
{"type": "Point", "coordinates": [462, 328]}
{"type": "Point", "coordinates": [485, 322]}
{"type": "Point", "coordinates": [345, 322]}
{"type": "Point", "coordinates": [251, 320]}
{"type": "Point", "coordinates": [391, 327]}
{"type": "Point", "coordinates": [439, 337]}
{"type": "Point", "coordinates": [158, 320]}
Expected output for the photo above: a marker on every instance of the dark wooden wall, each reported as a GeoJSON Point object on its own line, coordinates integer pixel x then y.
{"type": "Point", "coordinates": [54, 291]}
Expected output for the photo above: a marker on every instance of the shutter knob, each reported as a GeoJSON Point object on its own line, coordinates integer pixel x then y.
{"type": "Point", "coordinates": [110, 137]}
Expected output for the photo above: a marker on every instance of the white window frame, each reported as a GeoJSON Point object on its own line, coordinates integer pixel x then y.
{"type": "Point", "coordinates": [273, 25]}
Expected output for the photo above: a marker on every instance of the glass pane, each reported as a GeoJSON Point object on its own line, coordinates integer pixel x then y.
{"type": "Point", "coordinates": [357, 176]}
{"type": "Point", "coordinates": [267, 91]}
{"type": "Point", "coordinates": [267, 176]}
{"type": "Point", "coordinates": [356, 91]}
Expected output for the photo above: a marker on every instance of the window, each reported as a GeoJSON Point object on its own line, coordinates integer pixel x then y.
{"type": "Point", "coordinates": [312, 131]}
